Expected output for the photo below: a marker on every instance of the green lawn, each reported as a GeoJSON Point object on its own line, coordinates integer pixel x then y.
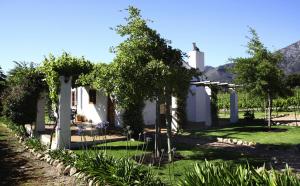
{"type": "Point", "coordinates": [188, 156]}
{"type": "Point", "coordinates": [257, 114]}
{"type": "Point", "coordinates": [279, 135]}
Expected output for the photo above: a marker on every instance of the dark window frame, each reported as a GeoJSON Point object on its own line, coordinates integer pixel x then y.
{"type": "Point", "coordinates": [92, 96]}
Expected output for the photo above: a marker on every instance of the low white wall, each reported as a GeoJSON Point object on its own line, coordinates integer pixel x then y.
{"type": "Point", "coordinates": [95, 112]}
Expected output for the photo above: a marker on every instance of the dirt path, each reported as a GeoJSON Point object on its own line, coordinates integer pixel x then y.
{"type": "Point", "coordinates": [19, 167]}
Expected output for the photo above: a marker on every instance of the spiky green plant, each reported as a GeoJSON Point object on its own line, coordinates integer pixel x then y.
{"type": "Point", "coordinates": [220, 174]}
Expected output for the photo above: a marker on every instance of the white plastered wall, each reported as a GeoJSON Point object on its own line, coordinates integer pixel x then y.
{"type": "Point", "coordinates": [198, 100]}
{"type": "Point", "coordinates": [98, 112]}
{"type": "Point", "coordinates": [95, 112]}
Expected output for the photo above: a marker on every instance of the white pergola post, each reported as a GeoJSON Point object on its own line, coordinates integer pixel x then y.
{"type": "Point", "coordinates": [63, 132]}
{"type": "Point", "coordinates": [40, 115]}
{"type": "Point", "coordinates": [207, 103]}
{"type": "Point", "coordinates": [234, 114]}
{"type": "Point", "coordinates": [174, 123]}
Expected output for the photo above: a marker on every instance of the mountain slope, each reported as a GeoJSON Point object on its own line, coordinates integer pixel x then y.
{"type": "Point", "coordinates": [290, 64]}
{"type": "Point", "coordinates": [291, 58]}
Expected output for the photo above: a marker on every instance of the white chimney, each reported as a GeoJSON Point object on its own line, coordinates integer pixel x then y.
{"type": "Point", "coordinates": [196, 58]}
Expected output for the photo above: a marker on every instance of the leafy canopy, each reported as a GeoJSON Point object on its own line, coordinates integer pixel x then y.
{"type": "Point", "coordinates": [64, 65]}
{"type": "Point", "coordinates": [259, 74]}
{"type": "Point", "coordinates": [145, 63]}
{"type": "Point", "coordinates": [24, 85]}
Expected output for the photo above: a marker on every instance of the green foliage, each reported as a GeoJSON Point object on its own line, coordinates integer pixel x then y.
{"type": "Point", "coordinates": [246, 101]}
{"type": "Point", "coordinates": [219, 174]}
{"type": "Point", "coordinates": [17, 129]}
{"type": "Point", "coordinates": [107, 169]}
{"type": "Point", "coordinates": [35, 143]}
{"type": "Point", "coordinates": [133, 117]}
{"type": "Point", "coordinates": [259, 74]}
{"type": "Point", "coordinates": [214, 105]}
{"type": "Point", "coordinates": [249, 115]}
{"type": "Point", "coordinates": [24, 85]}
{"type": "Point", "coordinates": [64, 65]}
{"type": "Point", "coordinates": [100, 78]}
{"type": "Point", "coordinates": [292, 80]}
{"type": "Point", "coordinates": [2, 87]}
{"type": "Point", "coordinates": [146, 66]}
{"type": "Point", "coordinates": [67, 157]}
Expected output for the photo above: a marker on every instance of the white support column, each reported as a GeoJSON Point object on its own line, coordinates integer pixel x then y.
{"type": "Point", "coordinates": [207, 106]}
{"type": "Point", "coordinates": [40, 115]}
{"type": "Point", "coordinates": [234, 114]}
{"type": "Point", "coordinates": [63, 132]}
{"type": "Point", "coordinates": [174, 123]}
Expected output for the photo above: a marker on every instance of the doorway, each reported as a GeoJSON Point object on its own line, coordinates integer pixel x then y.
{"type": "Point", "coordinates": [110, 111]}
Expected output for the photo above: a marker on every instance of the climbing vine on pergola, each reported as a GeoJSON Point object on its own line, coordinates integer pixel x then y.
{"type": "Point", "coordinates": [64, 65]}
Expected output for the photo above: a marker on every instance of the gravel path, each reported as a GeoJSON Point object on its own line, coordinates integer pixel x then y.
{"type": "Point", "coordinates": [19, 167]}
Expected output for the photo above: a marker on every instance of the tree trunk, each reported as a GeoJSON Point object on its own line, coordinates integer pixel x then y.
{"type": "Point", "coordinates": [269, 110]}
{"type": "Point", "coordinates": [168, 125]}
{"type": "Point", "coordinates": [157, 143]}
{"type": "Point", "coordinates": [54, 128]}
{"type": "Point", "coordinates": [265, 103]}
{"type": "Point", "coordinates": [295, 112]}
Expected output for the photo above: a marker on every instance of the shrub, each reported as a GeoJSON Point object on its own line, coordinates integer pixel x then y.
{"type": "Point", "coordinates": [17, 129]}
{"type": "Point", "coordinates": [20, 98]}
{"type": "Point", "coordinates": [220, 174]}
{"type": "Point", "coordinates": [35, 143]}
{"type": "Point", "coordinates": [107, 169]}
{"type": "Point", "coordinates": [65, 156]}
{"type": "Point", "coordinates": [249, 115]}
{"type": "Point", "coordinates": [133, 117]}
{"type": "Point", "coordinates": [2, 87]}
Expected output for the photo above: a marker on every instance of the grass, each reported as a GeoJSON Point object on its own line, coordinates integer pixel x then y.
{"type": "Point", "coordinates": [279, 135]}
{"type": "Point", "coordinates": [120, 149]}
{"type": "Point", "coordinates": [188, 156]}
{"type": "Point", "coordinates": [257, 114]}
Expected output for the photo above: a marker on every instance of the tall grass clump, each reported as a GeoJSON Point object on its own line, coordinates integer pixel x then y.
{"type": "Point", "coordinates": [221, 174]}
{"type": "Point", "coordinates": [108, 170]}
{"type": "Point", "coordinates": [17, 129]}
{"type": "Point", "coordinates": [35, 143]}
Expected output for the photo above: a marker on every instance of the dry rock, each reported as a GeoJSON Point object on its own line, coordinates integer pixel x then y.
{"type": "Point", "coordinates": [55, 163]}
{"type": "Point", "coordinates": [67, 170]}
{"type": "Point", "coordinates": [220, 139]}
{"type": "Point", "coordinates": [73, 171]}
{"type": "Point", "coordinates": [60, 168]}
{"type": "Point", "coordinates": [91, 182]}
{"type": "Point", "coordinates": [239, 142]}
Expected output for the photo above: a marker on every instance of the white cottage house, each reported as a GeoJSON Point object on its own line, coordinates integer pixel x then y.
{"type": "Point", "coordinates": [95, 106]}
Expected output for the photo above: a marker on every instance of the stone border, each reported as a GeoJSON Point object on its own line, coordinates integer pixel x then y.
{"type": "Point", "coordinates": [237, 142]}
{"type": "Point", "coordinates": [63, 169]}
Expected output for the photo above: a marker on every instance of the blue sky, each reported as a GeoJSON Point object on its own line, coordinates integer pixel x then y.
{"type": "Point", "coordinates": [31, 29]}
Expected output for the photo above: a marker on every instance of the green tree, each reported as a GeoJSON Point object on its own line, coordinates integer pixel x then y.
{"type": "Point", "coordinates": [2, 87]}
{"type": "Point", "coordinates": [259, 73]}
{"type": "Point", "coordinates": [24, 84]}
{"type": "Point", "coordinates": [147, 67]}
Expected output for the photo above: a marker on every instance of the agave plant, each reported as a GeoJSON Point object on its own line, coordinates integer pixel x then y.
{"type": "Point", "coordinates": [220, 174]}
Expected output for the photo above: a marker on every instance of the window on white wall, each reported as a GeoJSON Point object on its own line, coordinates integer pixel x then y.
{"type": "Point", "coordinates": [74, 98]}
{"type": "Point", "coordinates": [92, 96]}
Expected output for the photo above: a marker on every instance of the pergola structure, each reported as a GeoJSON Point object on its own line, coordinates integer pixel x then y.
{"type": "Point", "coordinates": [233, 95]}
{"type": "Point", "coordinates": [62, 131]}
